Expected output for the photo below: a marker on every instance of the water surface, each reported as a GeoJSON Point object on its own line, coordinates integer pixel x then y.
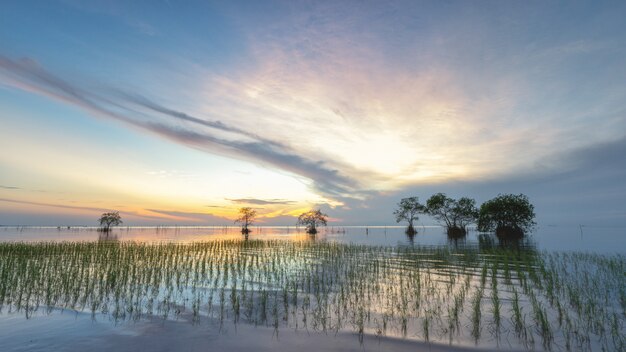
{"type": "Point", "coordinates": [346, 288]}
{"type": "Point", "coordinates": [550, 238]}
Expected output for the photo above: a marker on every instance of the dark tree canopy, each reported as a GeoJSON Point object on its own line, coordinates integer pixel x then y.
{"type": "Point", "coordinates": [455, 214]}
{"type": "Point", "coordinates": [311, 219]}
{"type": "Point", "coordinates": [247, 216]}
{"type": "Point", "coordinates": [507, 214]}
{"type": "Point", "coordinates": [408, 210]}
{"type": "Point", "coordinates": [110, 219]}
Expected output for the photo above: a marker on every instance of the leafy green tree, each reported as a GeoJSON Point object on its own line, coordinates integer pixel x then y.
{"type": "Point", "coordinates": [455, 214]}
{"type": "Point", "coordinates": [507, 214]}
{"type": "Point", "coordinates": [110, 219]}
{"type": "Point", "coordinates": [312, 219]}
{"type": "Point", "coordinates": [408, 210]}
{"type": "Point", "coordinates": [247, 216]}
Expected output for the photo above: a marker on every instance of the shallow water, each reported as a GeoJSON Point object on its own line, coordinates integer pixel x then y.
{"type": "Point", "coordinates": [191, 288]}
{"type": "Point", "coordinates": [550, 238]}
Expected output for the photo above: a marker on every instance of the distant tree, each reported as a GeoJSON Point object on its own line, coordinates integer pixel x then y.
{"type": "Point", "coordinates": [507, 214]}
{"type": "Point", "coordinates": [408, 210]}
{"type": "Point", "coordinates": [110, 219]}
{"type": "Point", "coordinates": [455, 214]}
{"type": "Point", "coordinates": [247, 216]}
{"type": "Point", "coordinates": [312, 219]}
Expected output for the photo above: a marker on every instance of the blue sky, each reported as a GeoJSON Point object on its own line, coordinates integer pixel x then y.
{"type": "Point", "coordinates": [182, 112]}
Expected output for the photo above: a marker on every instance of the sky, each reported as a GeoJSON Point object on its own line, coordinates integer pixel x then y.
{"type": "Point", "coordinates": [183, 112]}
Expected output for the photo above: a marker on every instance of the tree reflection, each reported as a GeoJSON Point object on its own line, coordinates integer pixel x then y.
{"type": "Point", "coordinates": [490, 241]}
{"type": "Point", "coordinates": [410, 235]}
{"type": "Point", "coordinates": [106, 236]}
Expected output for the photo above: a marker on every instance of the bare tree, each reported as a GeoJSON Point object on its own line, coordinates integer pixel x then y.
{"type": "Point", "coordinates": [247, 216]}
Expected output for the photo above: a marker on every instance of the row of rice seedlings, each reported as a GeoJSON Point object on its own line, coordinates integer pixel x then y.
{"type": "Point", "coordinates": [476, 306]}
{"type": "Point", "coordinates": [495, 299]}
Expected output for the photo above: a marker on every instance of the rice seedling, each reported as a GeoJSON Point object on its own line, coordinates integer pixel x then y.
{"type": "Point", "coordinates": [516, 314]}
{"type": "Point", "coordinates": [476, 314]}
{"type": "Point", "coordinates": [495, 299]}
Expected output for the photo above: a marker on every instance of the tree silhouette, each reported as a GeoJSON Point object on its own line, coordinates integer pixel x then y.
{"type": "Point", "coordinates": [110, 219]}
{"type": "Point", "coordinates": [507, 214]}
{"type": "Point", "coordinates": [247, 216]}
{"type": "Point", "coordinates": [408, 210]}
{"type": "Point", "coordinates": [455, 214]}
{"type": "Point", "coordinates": [311, 219]}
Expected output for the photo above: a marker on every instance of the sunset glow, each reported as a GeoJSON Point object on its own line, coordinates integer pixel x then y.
{"type": "Point", "coordinates": [181, 115]}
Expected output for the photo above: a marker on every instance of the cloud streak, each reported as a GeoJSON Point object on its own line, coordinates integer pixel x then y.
{"type": "Point", "coordinates": [191, 216]}
{"type": "Point", "coordinates": [261, 201]}
{"type": "Point", "coordinates": [456, 100]}
{"type": "Point", "coordinates": [158, 214]}
{"type": "Point", "coordinates": [26, 74]}
{"type": "Point", "coordinates": [9, 187]}
{"type": "Point", "coordinates": [51, 205]}
{"type": "Point", "coordinates": [155, 107]}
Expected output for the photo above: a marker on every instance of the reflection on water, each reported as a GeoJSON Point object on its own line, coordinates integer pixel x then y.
{"type": "Point", "coordinates": [410, 236]}
{"type": "Point", "coordinates": [539, 292]}
{"type": "Point", "coordinates": [598, 240]}
{"type": "Point", "coordinates": [492, 294]}
{"type": "Point", "coordinates": [486, 241]}
{"type": "Point", "coordinates": [107, 236]}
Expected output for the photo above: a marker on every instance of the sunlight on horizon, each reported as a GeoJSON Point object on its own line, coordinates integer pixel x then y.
{"type": "Point", "coordinates": [285, 108]}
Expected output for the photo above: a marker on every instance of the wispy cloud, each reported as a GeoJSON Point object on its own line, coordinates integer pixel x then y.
{"type": "Point", "coordinates": [17, 201]}
{"type": "Point", "coordinates": [155, 107]}
{"type": "Point", "coordinates": [152, 214]}
{"type": "Point", "coordinates": [9, 187]}
{"type": "Point", "coordinates": [191, 216]}
{"type": "Point", "coordinates": [28, 75]}
{"type": "Point", "coordinates": [459, 100]}
{"type": "Point", "coordinates": [261, 201]}
{"type": "Point", "coordinates": [359, 101]}
{"type": "Point", "coordinates": [334, 92]}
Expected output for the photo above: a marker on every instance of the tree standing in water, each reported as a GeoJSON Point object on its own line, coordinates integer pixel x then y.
{"type": "Point", "coordinates": [311, 219]}
{"type": "Point", "coordinates": [408, 210]}
{"type": "Point", "coordinates": [456, 214]}
{"type": "Point", "coordinates": [247, 216]}
{"type": "Point", "coordinates": [110, 219]}
{"type": "Point", "coordinates": [510, 215]}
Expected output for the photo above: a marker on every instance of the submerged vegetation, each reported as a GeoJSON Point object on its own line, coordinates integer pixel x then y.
{"type": "Point", "coordinates": [507, 297]}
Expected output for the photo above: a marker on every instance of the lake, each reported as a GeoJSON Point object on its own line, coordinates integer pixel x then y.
{"type": "Point", "coordinates": [347, 288]}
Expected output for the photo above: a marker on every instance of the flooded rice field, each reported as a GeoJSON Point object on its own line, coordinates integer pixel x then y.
{"type": "Point", "coordinates": [353, 288]}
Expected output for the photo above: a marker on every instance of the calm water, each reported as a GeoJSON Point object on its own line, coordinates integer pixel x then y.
{"type": "Point", "coordinates": [607, 240]}
{"type": "Point", "coordinates": [347, 288]}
